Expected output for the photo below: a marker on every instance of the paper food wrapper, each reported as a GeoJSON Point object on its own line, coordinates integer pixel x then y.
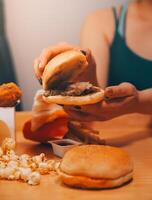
{"type": "Point", "coordinates": [7, 123]}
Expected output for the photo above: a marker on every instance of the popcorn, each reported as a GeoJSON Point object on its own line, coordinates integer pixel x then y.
{"type": "Point", "coordinates": [53, 164]}
{"type": "Point", "coordinates": [2, 164]}
{"type": "Point", "coordinates": [12, 163]}
{"type": "Point", "coordinates": [17, 174]}
{"type": "Point", "coordinates": [10, 153]}
{"type": "Point", "coordinates": [8, 144]}
{"type": "Point", "coordinates": [25, 157]}
{"type": "Point", "coordinates": [39, 158]}
{"type": "Point", "coordinates": [5, 158]}
{"type": "Point", "coordinates": [24, 167]}
{"type": "Point", "coordinates": [24, 163]}
{"type": "Point", "coordinates": [8, 172]}
{"type": "Point", "coordinates": [56, 165]}
{"type": "Point", "coordinates": [50, 164]}
{"type": "Point", "coordinates": [33, 166]}
{"type": "Point", "coordinates": [25, 173]}
{"type": "Point", "coordinates": [43, 168]}
{"type": "Point", "coordinates": [34, 178]}
{"type": "Point", "coordinates": [14, 157]}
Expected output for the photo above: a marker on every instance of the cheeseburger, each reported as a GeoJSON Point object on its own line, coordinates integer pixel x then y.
{"type": "Point", "coordinates": [59, 81]}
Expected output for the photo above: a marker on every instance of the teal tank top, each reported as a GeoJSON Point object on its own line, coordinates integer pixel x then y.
{"type": "Point", "coordinates": [125, 65]}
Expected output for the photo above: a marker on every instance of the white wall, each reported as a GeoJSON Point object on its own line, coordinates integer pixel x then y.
{"type": "Point", "coordinates": [34, 24]}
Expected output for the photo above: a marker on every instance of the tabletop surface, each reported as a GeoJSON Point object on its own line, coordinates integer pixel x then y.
{"type": "Point", "coordinates": [132, 133]}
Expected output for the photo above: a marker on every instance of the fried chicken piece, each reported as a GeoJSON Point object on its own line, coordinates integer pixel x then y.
{"type": "Point", "coordinates": [10, 93]}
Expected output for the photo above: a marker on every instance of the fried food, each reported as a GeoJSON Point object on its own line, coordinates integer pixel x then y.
{"type": "Point", "coordinates": [10, 93]}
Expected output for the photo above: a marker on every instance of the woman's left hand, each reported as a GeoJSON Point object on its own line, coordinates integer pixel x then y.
{"type": "Point", "coordinates": [119, 100]}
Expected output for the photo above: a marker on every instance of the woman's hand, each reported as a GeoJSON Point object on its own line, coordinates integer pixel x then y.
{"type": "Point", "coordinates": [119, 100]}
{"type": "Point", "coordinates": [48, 53]}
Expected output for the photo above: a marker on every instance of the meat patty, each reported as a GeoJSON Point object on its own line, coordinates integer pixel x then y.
{"type": "Point", "coordinates": [75, 89]}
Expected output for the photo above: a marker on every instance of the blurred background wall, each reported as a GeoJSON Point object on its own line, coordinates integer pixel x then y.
{"type": "Point", "coordinates": [32, 25]}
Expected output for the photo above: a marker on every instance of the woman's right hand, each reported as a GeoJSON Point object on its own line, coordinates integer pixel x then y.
{"type": "Point", "coordinates": [48, 53]}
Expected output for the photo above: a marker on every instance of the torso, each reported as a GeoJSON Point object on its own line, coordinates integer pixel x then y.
{"type": "Point", "coordinates": [131, 51]}
{"type": "Point", "coordinates": [138, 32]}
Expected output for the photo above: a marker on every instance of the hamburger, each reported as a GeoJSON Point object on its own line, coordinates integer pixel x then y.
{"type": "Point", "coordinates": [95, 167]}
{"type": "Point", "coordinates": [59, 80]}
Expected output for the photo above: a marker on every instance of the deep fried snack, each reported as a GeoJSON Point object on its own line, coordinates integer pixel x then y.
{"type": "Point", "coordinates": [10, 93]}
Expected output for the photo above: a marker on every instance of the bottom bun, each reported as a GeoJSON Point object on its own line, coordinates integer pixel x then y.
{"type": "Point", "coordinates": [76, 100]}
{"type": "Point", "coordinates": [90, 183]}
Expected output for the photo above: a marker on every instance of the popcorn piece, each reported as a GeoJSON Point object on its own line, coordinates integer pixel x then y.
{"type": "Point", "coordinates": [5, 158]}
{"type": "Point", "coordinates": [43, 157]}
{"type": "Point", "coordinates": [2, 164]}
{"type": "Point", "coordinates": [10, 153]}
{"type": "Point", "coordinates": [24, 157]}
{"type": "Point", "coordinates": [14, 157]}
{"type": "Point", "coordinates": [43, 168]}
{"type": "Point", "coordinates": [37, 159]}
{"type": "Point", "coordinates": [8, 172]}
{"type": "Point", "coordinates": [24, 163]}
{"type": "Point", "coordinates": [50, 164]}
{"type": "Point", "coordinates": [17, 174]}
{"type": "Point", "coordinates": [33, 166]}
{"type": "Point", "coordinates": [12, 163]}
{"type": "Point", "coordinates": [25, 173]}
{"type": "Point", "coordinates": [56, 165]}
{"type": "Point", "coordinates": [11, 177]}
{"type": "Point", "coordinates": [34, 178]}
{"type": "Point", "coordinates": [8, 144]}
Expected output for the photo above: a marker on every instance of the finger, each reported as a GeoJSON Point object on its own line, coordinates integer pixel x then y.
{"type": "Point", "coordinates": [115, 105]}
{"type": "Point", "coordinates": [122, 90]}
{"type": "Point", "coordinates": [76, 114]}
{"type": "Point", "coordinates": [84, 113]}
{"type": "Point", "coordinates": [37, 72]}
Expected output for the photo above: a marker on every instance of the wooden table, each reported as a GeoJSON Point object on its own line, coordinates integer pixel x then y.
{"type": "Point", "coordinates": [132, 132]}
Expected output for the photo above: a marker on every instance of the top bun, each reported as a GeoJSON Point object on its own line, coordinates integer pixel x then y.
{"type": "Point", "coordinates": [73, 62]}
{"type": "Point", "coordinates": [96, 161]}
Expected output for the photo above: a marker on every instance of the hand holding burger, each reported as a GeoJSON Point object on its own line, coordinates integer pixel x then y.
{"type": "Point", "coordinates": [118, 100]}
{"type": "Point", "coordinates": [60, 83]}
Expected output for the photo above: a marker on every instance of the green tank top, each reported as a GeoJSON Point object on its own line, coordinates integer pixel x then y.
{"type": "Point", "coordinates": [126, 65]}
